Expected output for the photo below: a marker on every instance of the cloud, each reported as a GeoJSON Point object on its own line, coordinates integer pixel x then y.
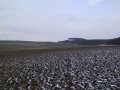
{"type": "Point", "coordinates": [7, 4]}
{"type": "Point", "coordinates": [93, 2]}
{"type": "Point", "coordinates": [58, 19]}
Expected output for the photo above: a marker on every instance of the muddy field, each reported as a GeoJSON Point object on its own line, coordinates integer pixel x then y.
{"type": "Point", "coordinates": [68, 69]}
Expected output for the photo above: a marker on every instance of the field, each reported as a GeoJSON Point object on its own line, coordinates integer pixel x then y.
{"type": "Point", "coordinates": [92, 68]}
{"type": "Point", "coordinates": [18, 46]}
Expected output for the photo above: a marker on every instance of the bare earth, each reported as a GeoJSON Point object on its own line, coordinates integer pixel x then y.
{"type": "Point", "coordinates": [68, 69]}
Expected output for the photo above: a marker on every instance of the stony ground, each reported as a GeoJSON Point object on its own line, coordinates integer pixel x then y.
{"type": "Point", "coordinates": [75, 69]}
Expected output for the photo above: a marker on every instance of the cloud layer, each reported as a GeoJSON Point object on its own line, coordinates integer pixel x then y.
{"type": "Point", "coordinates": [93, 2]}
{"type": "Point", "coordinates": [53, 20]}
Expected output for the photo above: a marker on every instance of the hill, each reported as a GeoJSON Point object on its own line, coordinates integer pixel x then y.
{"type": "Point", "coordinates": [81, 41]}
{"type": "Point", "coordinates": [115, 41]}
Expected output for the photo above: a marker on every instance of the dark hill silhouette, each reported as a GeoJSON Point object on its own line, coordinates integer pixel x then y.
{"type": "Point", "coordinates": [82, 41]}
{"type": "Point", "coordinates": [115, 41]}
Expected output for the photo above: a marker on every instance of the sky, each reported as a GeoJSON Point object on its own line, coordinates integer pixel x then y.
{"type": "Point", "coordinates": [56, 20]}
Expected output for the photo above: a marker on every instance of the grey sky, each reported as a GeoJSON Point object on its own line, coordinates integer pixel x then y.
{"type": "Point", "coordinates": [54, 20]}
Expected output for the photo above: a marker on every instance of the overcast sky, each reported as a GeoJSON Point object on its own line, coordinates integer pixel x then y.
{"type": "Point", "coordinates": [54, 20]}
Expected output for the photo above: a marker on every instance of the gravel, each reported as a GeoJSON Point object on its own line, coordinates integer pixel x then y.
{"type": "Point", "coordinates": [75, 69]}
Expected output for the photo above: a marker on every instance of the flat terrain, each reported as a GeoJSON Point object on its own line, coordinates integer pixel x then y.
{"type": "Point", "coordinates": [87, 68]}
{"type": "Point", "coordinates": [18, 46]}
{"type": "Point", "coordinates": [8, 47]}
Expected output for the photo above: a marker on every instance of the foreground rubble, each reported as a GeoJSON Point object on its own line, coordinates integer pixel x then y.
{"type": "Point", "coordinates": [75, 69]}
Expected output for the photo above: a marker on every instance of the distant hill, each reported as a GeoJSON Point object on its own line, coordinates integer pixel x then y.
{"type": "Point", "coordinates": [115, 41]}
{"type": "Point", "coordinates": [81, 41]}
